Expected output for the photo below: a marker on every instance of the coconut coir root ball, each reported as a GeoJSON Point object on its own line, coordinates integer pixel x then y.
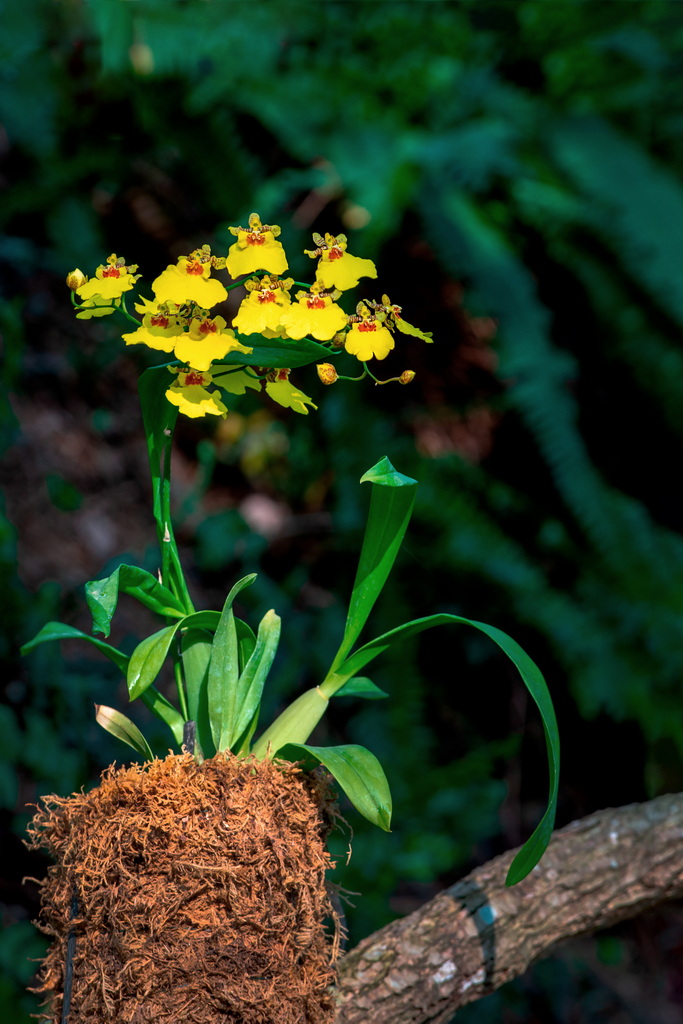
{"type": "Point", "coordinates": [192, 895]}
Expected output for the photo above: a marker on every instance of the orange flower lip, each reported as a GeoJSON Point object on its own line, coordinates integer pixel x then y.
{"type": "Point", "coordinates": [195, 267]}
{"type": "Point", "coordinates": [255, 239]}
{"type": "Point", "coordinates": [335, 253]}
{"type": "Point", "coordinates": [266, 296]}
{"type": "Point", "coordinates": [159, 321]}
{"type": "Point", "coordinates": [111, 272]}
{"type": "Point", "coordinates": [315, 302]}
{"type": "Point", "coordinates": [365, 326]}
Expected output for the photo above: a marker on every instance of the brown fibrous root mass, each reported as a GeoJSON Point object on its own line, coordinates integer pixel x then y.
{"type": "Point", "coordinates": [193, 894]}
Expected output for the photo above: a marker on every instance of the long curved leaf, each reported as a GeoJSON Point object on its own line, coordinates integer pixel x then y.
{"type": "Point", "coordinates": [60, 631]}
{"type": "Point", "coordinates": [533, 849]}
{"type": "Point", "coordinates": [357, 771]}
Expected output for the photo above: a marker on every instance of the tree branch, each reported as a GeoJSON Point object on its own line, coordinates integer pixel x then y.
{"type": "Point", "coordinates": [476, 935]}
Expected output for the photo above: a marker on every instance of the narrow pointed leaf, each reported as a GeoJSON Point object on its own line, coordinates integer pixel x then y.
{"type": "Point", "coordinates": [121, 727]}
{"type": "Point", "coordinates": [391, 506]}
{"type": "Point", "coordinates": [224, 670]}
{"type": "Point", "coordinates": [533, 849]}
{"type": "Point", "coordinates": [252, 679]}
{"type": "Point", "coordinates": [102, 595]}
{"type": "Point", "coordinates": [60, 631]}
{"type": "Point", "coordinates": [357, 771]}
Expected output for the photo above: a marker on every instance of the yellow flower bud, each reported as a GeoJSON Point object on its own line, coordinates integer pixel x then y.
{"type": "Point", "coordinates": [76, 279]}
{"type": "Point", "coordinates": [406, 377]}
{"type": "Point", "coordinates": [327, 373]}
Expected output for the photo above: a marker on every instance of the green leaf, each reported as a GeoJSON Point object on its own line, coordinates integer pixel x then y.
{"type": "Point", "coordinates": [163, 709]}
{"type": "Point", "coordinates": [196, 650]}
{"type": "Point", "coordinates": [150, 654]}
{"type": "Point", "coordinates": [102, 595]}
{"type": "Point", "coordinates": [246, 639]}
{"type": "Point", "coordinates": [224, 670]}
{"type": "Point", "coordinates": [121, 727]}
{"type": "Point", "coordinates": [391, 506]}
{"type": "Point", "coordinates": [147, 659]}
{"type": "Point", "coordinates": [533, 849]}
{"type": "Point", "coordinates": [361, 686]}
{"type": "Point", "coordinates": [277, 352]}
{"type": "Point", "coordinates": [357, 771]}
{"type": "Point", "coordinates": [252, 679]}
{"type": "Point", "coordinates": [60, 631]}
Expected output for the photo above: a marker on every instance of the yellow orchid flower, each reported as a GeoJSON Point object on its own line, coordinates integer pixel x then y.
{"type": "Point", "coordinates": [159, 330]}
{"type": "Point", "coordinates": [206, 341]}
{"type": "Point", "coordinates": [337, 268]}
{"type": "Point", "coordinates": [111, 280]}
{"type": "Point", "coordinates": [190, 281]}
{"type": "Point", "coordinates": [260, 310]}
{"type": "Point", "coordinates": [189, 393]}
{"type": "Point", "coordinates": [368, 336]}
{"type": "Point", "coordinates": [284, 393]}
{"type": "Point", "coordinates": [256, 248]}
{"type": "Point", "coordinates": [315, 313]}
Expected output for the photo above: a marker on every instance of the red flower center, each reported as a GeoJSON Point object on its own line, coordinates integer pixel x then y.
{"type": "Point", "coordinates": [336, 253]}
{"type": "Point", "coordinates": [159, 320]}
{"type": "Point", "coordinates": [254, 238]}
{"type": "Point", "coordinates": [207, 327]}
{"type": "Point", "coordinates": [266, 296]}
{"type": "Point", "coordinates": [195, 267]}
{"type": "Point", "coordinates": [367, 325]}
{"type": "Point", "coordinates": [282, 374]}
{"type": "Point", "coordinates": [315, 302]}
{"type": "Point", "coordinates": [111, 272]}
{"type": "Point", "coordinates": [193, 377]}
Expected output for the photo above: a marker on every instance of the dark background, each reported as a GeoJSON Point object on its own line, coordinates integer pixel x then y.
{"type": "Point", "coordinates": [514, 169]}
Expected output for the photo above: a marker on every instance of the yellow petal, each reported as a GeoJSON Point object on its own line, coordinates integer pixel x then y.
{"type": "Point", "coordinates": [175, 285]}
{"type": "Point", "coordinates": [254, 317]}
{"type": "Point", "coordinates": [285, 394]}
{"type": "Point", "coordinates": [246, 258]}
{"type": "Point", "coordinates": [364, 344]}
{"type": "Point", "coordinates": [344, 271]}
{"type": "Point", "coordinates": [195, 401]}
{"type": "Point", "coordinates": [323, 324]}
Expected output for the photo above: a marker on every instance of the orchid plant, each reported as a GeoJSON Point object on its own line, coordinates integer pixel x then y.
{"type": "Point", "coordinates": [220, 664]}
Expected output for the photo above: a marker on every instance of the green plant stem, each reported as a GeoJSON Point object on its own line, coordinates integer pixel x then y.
{"type": "Point", "coordinates": [180, 681]}
{"type": "Point", "coordinates": [171, 569]}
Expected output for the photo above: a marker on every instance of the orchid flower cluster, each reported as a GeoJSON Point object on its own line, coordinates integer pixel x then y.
{"type": "Point", "coordinates": [212, 359]}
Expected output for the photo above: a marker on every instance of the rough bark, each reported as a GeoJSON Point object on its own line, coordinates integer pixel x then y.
{"type": "Point", "coordinates": [478, 934]}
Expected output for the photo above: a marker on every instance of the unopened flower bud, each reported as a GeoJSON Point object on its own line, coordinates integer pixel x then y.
{"type": "Point", "coordinates": [406, 377]}
{"type": "Point", "coordinates": [327, 373]}
{"type": "Point", "coordinates": [76, 279]}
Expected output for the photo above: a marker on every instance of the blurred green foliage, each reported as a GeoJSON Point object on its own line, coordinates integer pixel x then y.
{"type": "Point", "coordinates": [516, 172]}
